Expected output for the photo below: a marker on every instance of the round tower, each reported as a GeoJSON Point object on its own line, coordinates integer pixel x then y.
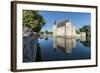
{"type": "Point", "coordinates": [54, 28]}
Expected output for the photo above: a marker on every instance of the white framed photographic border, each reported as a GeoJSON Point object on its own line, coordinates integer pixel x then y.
{"type": "Point", "coordinates": [16, 36]}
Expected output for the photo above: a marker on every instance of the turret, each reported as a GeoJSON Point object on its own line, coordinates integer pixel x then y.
{"type": "Point", "coordinates": [54, 28]}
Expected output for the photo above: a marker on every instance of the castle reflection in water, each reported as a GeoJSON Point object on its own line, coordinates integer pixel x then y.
{"type": "Point", "coordinates": [65, 44]}
{"type": "Point", "coordinates": [49, 48]}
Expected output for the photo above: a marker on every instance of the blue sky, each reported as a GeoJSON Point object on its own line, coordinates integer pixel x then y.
{"type": "Point", "coordinates": [78, 19]}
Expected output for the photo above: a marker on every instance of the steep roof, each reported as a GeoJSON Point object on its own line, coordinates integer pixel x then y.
{"type": "Point", "coordinates": [62, 23]}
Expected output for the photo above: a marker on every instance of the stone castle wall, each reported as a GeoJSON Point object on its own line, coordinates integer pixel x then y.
{"type": "Point", "coordinates": [64, 28]}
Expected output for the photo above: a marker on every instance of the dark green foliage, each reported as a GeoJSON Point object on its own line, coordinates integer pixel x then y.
{"type": "Point", "coordinates": [46, 31]}
{"type": "Point", "coordinates": [33, 19]}
{"type": "Point", "coordinates": [87, 29]}
{"type": "Point", "coordinates": [41, 32]}
{"type": "Point", "coordinates": [50, 32]}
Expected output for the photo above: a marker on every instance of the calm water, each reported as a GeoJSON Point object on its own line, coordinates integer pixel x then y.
{"type": "Point", "coordinates": [55, 49]}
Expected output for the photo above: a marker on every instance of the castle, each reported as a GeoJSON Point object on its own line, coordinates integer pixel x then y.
{"type": "Point", "coordinates": [64, 28]}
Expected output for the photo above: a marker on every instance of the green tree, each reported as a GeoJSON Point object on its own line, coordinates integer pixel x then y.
{"type": "Point", "coordinates": [41, 32]}
{"type": "Point", "coordinates": [46, 31]}
{"type": "Point", "coordinates": [33, 19]}
{"type": "Point", "coordinates": [80, 29]}
{"type": "Point", "coordinates": [87, 29]}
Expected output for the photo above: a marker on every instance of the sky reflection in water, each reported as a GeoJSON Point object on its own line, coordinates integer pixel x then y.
{"type": "Point", "coordinates": [55, 49]}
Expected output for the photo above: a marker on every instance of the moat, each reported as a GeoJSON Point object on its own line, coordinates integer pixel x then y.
{"type": "Point", "coordinates": [51, 48]}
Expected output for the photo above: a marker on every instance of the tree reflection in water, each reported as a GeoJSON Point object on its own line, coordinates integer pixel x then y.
{"type": "Point", "coordinates": [34, 52]}
{"type": "Point", "coordinates": [87, 41]}
{"type": "Point", "coordinates": [46, 38]}
{"type": "Point", "coordinates": [38, 54]}
{"type": "Point", "coordinates": [31, 49]}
